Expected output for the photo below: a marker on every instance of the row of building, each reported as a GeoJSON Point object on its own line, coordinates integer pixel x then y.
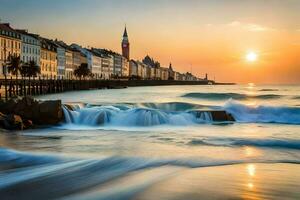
{"type": "Point", "coordinates": [59, 60]}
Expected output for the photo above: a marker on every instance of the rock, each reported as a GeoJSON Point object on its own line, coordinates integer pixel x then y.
{"type": "Point", "coordinates": [28, 124]}
{"type": "Point", "coordinates": [221, 115]}
{"type": "Point", "coordinates": [216, 115]}
{"type": "Point", "coordinates": [11, 122]}
{"type": "Point", "coordinates": [38, 112]}
{"type": "Point", "coordinates": [69, 107]}
{"type": "Point", "coordinates": [50, 112]}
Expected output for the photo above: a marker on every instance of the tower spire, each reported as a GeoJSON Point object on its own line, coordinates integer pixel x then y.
{"type": "Point", "coordinates": [125, 32]}
{"type": "Point", "coordinates": [125, 44]}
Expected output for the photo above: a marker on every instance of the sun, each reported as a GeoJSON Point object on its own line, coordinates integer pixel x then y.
{"type": "Point", "coordinates": [251, 57]}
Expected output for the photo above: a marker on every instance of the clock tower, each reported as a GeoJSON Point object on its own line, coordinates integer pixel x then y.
{"type": "Point", "coordinates": [125, 45]}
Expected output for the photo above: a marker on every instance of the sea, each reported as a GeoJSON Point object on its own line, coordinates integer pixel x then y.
{"type": "Point", "coordinates": [147, 143]}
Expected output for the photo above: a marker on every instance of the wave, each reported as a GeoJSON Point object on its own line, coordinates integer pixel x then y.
{"type": "Point", "coordinates": [114, 116]}
{"type": "Point", "coordinates": [175, 114]}
{"type": "Point", "coordinates": [296, 97]}
{"type": "Point", "coordinates": [174, 106]}
{"type": "Point", "coordinates": [236, 96]}
{"type": "Point", "coordinates": [268, 90]}
{"type": "Point", "coordinates": [263, 114]}
{"type": "Point", "coordinates": [268, 143]}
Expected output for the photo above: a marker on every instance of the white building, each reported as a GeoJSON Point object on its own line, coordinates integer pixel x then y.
{"type": "Point", "coordinates": [125, 67]}
{"type": "Point", "coordinates": [117, 65]}
{"type": "Point", "coordinates": [93, 61]}
{"type": "Point", "coordinates": [107, 66]}
{"type": "Point", "coordinates": [133, 69]}
{"type": "Point", "coordinates": [61, 61]}
{"type": "Point", "coordinates": [30, 47]}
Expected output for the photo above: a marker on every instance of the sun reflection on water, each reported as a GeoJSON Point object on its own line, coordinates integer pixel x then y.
{"type": "Point", "coordinates": [251, 169]}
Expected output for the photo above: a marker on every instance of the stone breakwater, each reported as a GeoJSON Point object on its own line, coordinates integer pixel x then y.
{"type": "Point", "coordinates": [24, 113]}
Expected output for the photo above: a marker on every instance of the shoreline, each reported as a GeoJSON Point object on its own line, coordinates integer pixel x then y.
{"type": "Point", "coordinates": [249, 180]}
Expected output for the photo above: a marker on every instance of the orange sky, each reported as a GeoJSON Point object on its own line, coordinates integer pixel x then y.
{"type": "Point", "coordinates": [208, 36]}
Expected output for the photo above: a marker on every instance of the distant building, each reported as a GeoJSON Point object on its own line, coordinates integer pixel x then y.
{"type": "Point", "coordinates": [69, 70]}
{"type": "Point", "coordinates": [164, 73]}
{"type": "Point", "coordinates": [48, 58]}
{"type": "Point", "coordinates": [10, 44]}
{"type": "Point", "coordinates": [158, 73]}
{"type": "Point", "coordinates": [133, 69]}
{"type": "Point", "coordinates": [61, 61]}
{"type": "Point", "coordinates": [93, 60]}
{"type": "Point", "coordinates": [125, 67]}
{"type": "Point", "coordinates": [30, 47]}
{"type": "Point", "coordinates": [171, 72]}
{"type": "Point", "coordinates": [97, 69]}
{"type": "Point", "coordinates": [117, 65]}
{"type": "Point", "coordinates": [83, 59]}
{"type": "Point", "coordinates": [76, 55]}
{"type": "Point", "coordinates": [125, 45]}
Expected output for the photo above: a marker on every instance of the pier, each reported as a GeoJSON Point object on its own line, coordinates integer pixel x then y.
{"type": "Point", "coordinates": [23, 87]}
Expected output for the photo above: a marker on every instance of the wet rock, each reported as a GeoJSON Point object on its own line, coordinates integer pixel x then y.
{"type": "Point", "coordinates": [214, 115]}
{"type": "Point", "coordinates": [69, 107]}
{"type": "Point", "coordinates": [28, 124]}
{"type": "Point", "coordinates": [221, 115]}
{"type": "Point", "coordinates": [11, 122]}
{"type": "Point", "coordinates": [49, 112]}
{"type": "Point", "coordinates": [39, 112]}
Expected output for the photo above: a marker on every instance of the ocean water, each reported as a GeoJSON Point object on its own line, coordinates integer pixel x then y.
{"type": "Point", "coordinates": [136, 142]}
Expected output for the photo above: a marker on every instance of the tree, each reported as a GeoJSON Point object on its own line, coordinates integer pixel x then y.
{"type": "Point", "coordinates": [33, 69]}
{"type": "Point", "coordinates": [29, 70]}
{"type": "Point", "coordinates": [82, 71]}
{"type": "Point", "coordinates": [14, 65]}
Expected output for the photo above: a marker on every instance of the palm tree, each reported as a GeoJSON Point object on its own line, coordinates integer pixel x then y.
{"type": "Point", "coordinates": [34, 69]}
{"type": "Point", "coordinates": [29, 70]}
{"type": "Point", "coordinates": [82, 71]}
{"type": "Point", "coordinates": [14, 65]}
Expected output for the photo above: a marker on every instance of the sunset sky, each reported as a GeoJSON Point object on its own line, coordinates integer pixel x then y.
{"type": "Point", "coordinates": [205, 36]}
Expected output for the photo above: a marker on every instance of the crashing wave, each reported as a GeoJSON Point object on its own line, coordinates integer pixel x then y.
{"type": "Point", "coordinates": [113, 116]}
{"type": "Point", "coordinates": [263, 114]}
{"type": "Point", "coordinates": [267, 143]}
{"type": "Point", "coordinates": [224, 96]}
{"type": "Point", "coordinates": [121, 115]}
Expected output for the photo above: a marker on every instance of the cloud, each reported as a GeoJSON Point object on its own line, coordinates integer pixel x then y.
{"type": "Point", "coordinates": [234, 24]}
{"type": "Point", "coordinates": [249, 26]}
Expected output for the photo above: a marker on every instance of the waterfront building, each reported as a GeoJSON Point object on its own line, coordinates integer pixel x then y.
{"type": "Point", "coordinates": [69, 71]}
{"type": "Point", "coordinates": [68, 68]}
{"type": "Point", "coordinates": [177, 76]}
{"type": "Point", "coordinates": [171, 72]}
{"type": "Point", "coordinates": [152, 73]}
{"type": "Point", "coordinates": [30, 47]}
{"type": "Point", "coordinates": [125, 67]}
{"type": "Point", "coordinates": [148, 70]}
{"type": "Point", "coordinates": [117, 69]}
{"type": "Point", "coordinates": [83, 59]}
{"type": "Point", "coordinates": [125, 45]}
{"type": "Point", "coordinates": [164, 73]}
{"type": "Point", "coordinates": [10, 44]}
{"type": "Point", "coordinates": [61, 60]}
{"type": "Point", "coordinates": [133, 69]}
{"type": "Point", "coordinates": [93, 60]}
{"type": "Point", "coordinates": [190, 77]}
{"type": "Point", "coordinates": [96, 65]}
{"type": "Point", "coordinates": [76, 55]}
{"type": "Point", "coordinates": [158, 73]}
{"type": "Point", "coordinates": [106, 66]}
{"type": "Point", "coordinates": [48, 58]}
